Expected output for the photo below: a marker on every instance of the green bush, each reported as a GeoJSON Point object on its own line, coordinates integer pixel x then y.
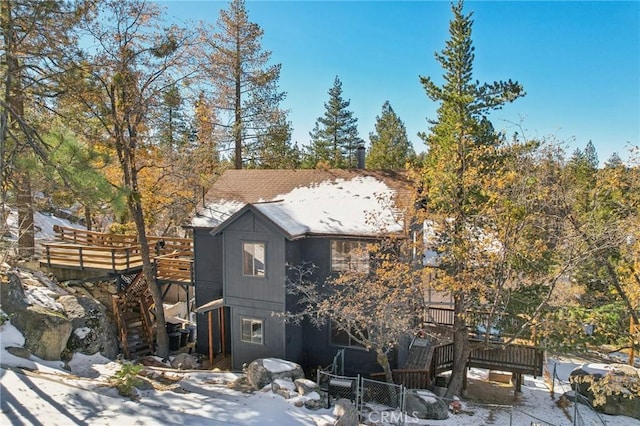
{"type": "Point", "coordinates": [126, 380]}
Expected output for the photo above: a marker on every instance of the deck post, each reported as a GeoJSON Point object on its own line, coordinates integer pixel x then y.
{"type": "Point", "coordinates": [223, 341]}
{"type": "Point", "coordinates": [210, 318]}
{"type": "Point", "coordinates": [518, 390]}
{"type": "Point", "coordinates": [81, 261]}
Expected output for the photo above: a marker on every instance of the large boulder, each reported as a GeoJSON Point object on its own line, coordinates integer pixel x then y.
{"type": "Point", "coordinates": [264, 371]}
{"type": "Point", "coordinates": [184, 361]}
{"type": "Point", "coordinates": [46, 332]}
{"type": "Point", "coordinates": [609, 388]}
{"type": "Point", "coordinates": [45, 327]}
{"type": "Point", "coordinates": [423, 404]}
{"type": "Point", "coordinates": [93, 329]}
{"type": "Point", "coordinates": [306, 387]}
{"type": "Point", "coordinates": [346, 413]}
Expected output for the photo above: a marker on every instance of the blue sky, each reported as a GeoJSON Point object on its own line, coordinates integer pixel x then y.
{"type": "Point", "coordinates": [579, 62]}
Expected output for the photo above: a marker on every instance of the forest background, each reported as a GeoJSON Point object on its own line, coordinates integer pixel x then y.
{"type": "Point", "coordinates": [127, 118]}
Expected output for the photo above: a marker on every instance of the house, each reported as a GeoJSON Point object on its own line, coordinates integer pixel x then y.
{"type": "Point", "coordinates": [251, 224]}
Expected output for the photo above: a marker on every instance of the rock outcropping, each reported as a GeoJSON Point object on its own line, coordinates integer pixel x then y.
{"type": "Point", "coordinates": [54, 322]}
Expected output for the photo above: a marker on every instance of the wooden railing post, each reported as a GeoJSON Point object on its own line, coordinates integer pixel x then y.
{"type": "Point", "coordinates": [81, 260]}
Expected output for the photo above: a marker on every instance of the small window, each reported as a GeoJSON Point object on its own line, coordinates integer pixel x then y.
{"type": "Point", "coordinates": [340, 337]}
{"type": "Point", "coordinates": [252, 330]}
{"type": "Point", "coordinates": [253, 259]}
{"type": "Point", "coordinates": [347, 255]}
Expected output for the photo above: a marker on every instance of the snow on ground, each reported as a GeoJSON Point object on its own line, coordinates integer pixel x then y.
{"type": "Point", "coordinates": [45, 393]}
{"type": "Point", "coordinates": [37, 392]}
{"type": "Point", "coordinates": [43, 222]}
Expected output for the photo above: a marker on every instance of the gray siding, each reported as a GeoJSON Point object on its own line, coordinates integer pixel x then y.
{"type": "Point", "coordinates": [316, 347]}
{"type": "Point", "coordinates": [272, 332]}
{"type": "Point", "coordinates": [208, 282]}
{"type": "Point", "coordinates": [255, 297]}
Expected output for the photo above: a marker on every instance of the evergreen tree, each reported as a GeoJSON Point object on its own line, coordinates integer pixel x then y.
{"type": "Point", "coordinates": [591, 156]}
{"type": "Point", "coordinates": [334, 139]}
{"type": "Point", "coordinates": [38, 40]}
{"type": "Point", "coordinates": [246, 86]}
{"type": "Point", "coordinates": [614, 161]}
{"type": "Point", "coordinates": [275, 150]}
{"type": "Point", "coordinates": [390, 147]}
{"type": "Point", "coordinates": [463, 158]}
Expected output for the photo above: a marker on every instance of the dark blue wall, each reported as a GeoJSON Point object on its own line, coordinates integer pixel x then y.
{"type": "Point", "coordinates": [208, 282]}
{"type": "Point", "coordinates": [316, 346]}
{"type": "Point", "coordinates": [260, 298]}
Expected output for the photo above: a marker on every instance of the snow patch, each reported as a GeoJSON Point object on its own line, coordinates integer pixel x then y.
{"type": "Point", "coordinates": [275, 365]}
{"type": "Point", "coordinates": [82, 332]}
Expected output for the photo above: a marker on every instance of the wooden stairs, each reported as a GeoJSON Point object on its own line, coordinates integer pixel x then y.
{"type": "Point", "coordinates": [132, 309]}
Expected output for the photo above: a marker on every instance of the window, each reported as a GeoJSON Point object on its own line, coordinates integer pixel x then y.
{"type": "Point", "coordinates": [347, 255]}
{"type": "Point", "coordinates": [253, 259]}
{"type": "Point", "coordinates": [341, 338]}
{"type": "Point", "coordinates": [252, 330]}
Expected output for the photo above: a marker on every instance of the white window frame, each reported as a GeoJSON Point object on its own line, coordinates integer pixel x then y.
{"type": "Point", "coordinates": [354, 258]}
{"type": "Point", "coordinates": [249, 249]}
{"type": "Point", "coordinates": [250, 336]}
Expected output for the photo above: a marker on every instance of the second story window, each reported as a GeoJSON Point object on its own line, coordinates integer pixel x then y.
{"type": "Point", "coordinates": [348, 255]}
{"type": "Point", "coordinates": [253, 259]}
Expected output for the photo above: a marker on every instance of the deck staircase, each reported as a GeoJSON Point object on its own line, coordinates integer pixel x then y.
{"type": "Point", "coordinates": [132, 308]}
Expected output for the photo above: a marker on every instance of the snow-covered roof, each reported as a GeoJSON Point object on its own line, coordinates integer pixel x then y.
{"type": "Point", "coordinates": [310, 202]}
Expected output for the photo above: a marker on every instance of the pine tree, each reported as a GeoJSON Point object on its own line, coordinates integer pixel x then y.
{"type": "Point", "coordinates": [275, 150]}
{"type": "Point", "coordinates": [334, 139]}
{"type": "Point", "coordinates": [137, 60]}
{"type": "Point", "coordinates": [246, 86]}
{"type": "Point", "coordinates": [38, 41]}
{"type": "Point", "coordinates": [390, 147]}
{"type": "Point", "coordinates": [463, 156]}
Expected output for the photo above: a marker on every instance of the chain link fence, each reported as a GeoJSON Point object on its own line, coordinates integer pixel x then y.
{"type": "Point", "coordinates": [385, 403]}
{"type": "Point", "coordinates": [340, 387]}
{"type": "Point", "coordinates": [580, 402]}
{"type": "Point", "coordinates": [383, 394]}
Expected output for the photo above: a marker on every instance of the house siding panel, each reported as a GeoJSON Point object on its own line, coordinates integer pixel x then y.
{"type": "Point", "coordinates": [272, 334]}
{"type": "Point", "coordinates": [317, 349]}
{"type": "Point", "coordinates": [255, 297]}
{"type": "Point", "coordinates": [208, 282]}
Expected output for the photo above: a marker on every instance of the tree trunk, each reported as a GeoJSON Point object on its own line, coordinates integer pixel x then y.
{"type": "Point", "coordinates": [26, 234]}
{"type": "Point", "coordinates": [460, 349]}
{"type": "Point", "coordinates": [237, 125]}
{"type": "Point", "coordinates": [14, 97]}
{"type": "Point", "coordinates": [383, 361]}
{"type": "Point", "coordinates": [162, 338]}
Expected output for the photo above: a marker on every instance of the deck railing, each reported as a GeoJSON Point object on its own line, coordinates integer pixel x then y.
{"type": "Point", "coordinates": [175, 267]}
{"type": "Point", "coordinates": [83, 257]}
{"type": "Point", "coordinates": [119, 253]}
{"type": "Point", "coordinates": [515, 358]}
{"type": "Point", "coordinates": [502, 325]}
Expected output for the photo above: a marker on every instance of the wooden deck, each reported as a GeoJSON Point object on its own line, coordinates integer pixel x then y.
{"type": "Point", "coordinates": [425, 362]}
{"type": "Point", "coordinates": [119, 254]}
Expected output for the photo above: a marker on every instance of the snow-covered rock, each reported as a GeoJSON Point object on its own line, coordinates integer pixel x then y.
{"type": "Point", "coordinates": [264, 371]}
{"type": "Point", "coordinates": [424, 404]}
